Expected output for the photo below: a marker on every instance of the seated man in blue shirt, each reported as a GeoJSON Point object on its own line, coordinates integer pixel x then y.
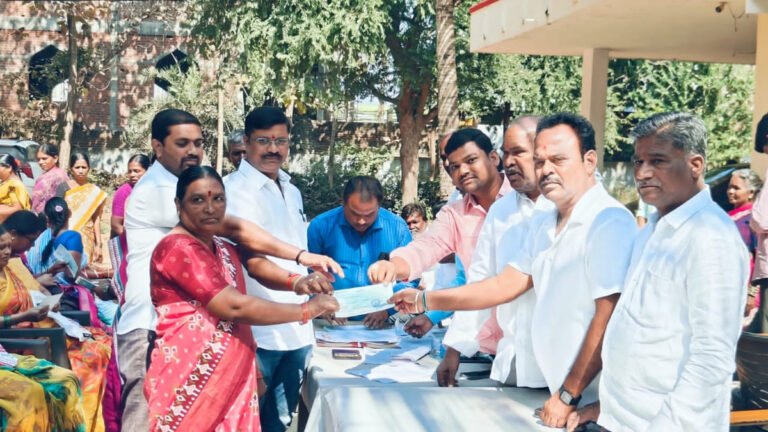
{"type": "Point", "coordinates": [357, 235]}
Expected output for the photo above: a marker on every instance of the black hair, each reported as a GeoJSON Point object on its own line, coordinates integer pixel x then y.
{"type": "Point", "coordinates": [466, 135]}
{"type": "Point", "coordinates": [413, 208]}
{"type": "Point", "coordinates": [49, 149]}
{"type": "Point", "coordinates": [2, 230]}
{"type": "Point", "coordinates": [25, 222]}
{"type": "Point", "coordinates": [57, 213]}
{"type": "Point", "coordinates": [761, 134]}
{"type": "Point", "coordinates": [368, 188]}
{"type": "Point", "coordinates": [140, 159]}
{"type": "Point", "coordinates": [77, 156]}
{"type": "Point", "coordinates": [580, 126]}
{"type": "Point", "coordinates": [192, 174]}
{"type": "Point", "coordinates": [161, 124]}
{"type": "Point", "coordinates": [9, 161]}
{"type": "Point", "coordinates": [264, 118]}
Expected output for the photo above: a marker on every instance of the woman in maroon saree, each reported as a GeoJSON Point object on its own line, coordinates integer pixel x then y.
{"type": "Point", "coordinates": [203, 369]}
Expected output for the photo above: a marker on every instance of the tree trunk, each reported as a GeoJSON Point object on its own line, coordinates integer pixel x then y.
{"type": "Point", "coordinates": [332, 149]}
{"type": "Point", "coordinates": [409, 157]}
{"type": "Point", "coordinates": [447, 82]}
{"type": "Point", "coordinates": [69, 111]}
{"type": "Point", "coordinates": [220, 133]}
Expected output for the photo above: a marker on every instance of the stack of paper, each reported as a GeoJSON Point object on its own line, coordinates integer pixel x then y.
{"type": "Point", "coordinates": [355, 336]}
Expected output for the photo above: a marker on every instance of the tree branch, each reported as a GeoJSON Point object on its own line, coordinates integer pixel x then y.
{"type": "Point", "coordinates": [379, 94]}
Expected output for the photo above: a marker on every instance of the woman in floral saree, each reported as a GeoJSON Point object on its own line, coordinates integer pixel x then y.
{"type": "Point", "coordinates": [89, 358]}
{"type": "Point", "coordinates": [203, 372]}
{"type": "Point", "coordinates": [48, 182]}
{"type": "Point", "coordinates": [86, 201]}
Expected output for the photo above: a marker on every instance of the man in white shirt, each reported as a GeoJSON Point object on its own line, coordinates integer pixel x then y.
{"type": "Point", "coordinates": [260, 192]}
{"type": "Point", "coordinates": [177, 141]}
{"type": "Point", "coordinates": [575, 257]}
{"type": "Point", "coordinates": [668, 355]}
{"type": "Point", "coordinates": [503, 232]}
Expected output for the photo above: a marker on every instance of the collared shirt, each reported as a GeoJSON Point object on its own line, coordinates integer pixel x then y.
{"type": "Point", "coordinates": [585, 261]}
{"type": "Point", "coordinates": [503, 233]}
{"type": "Point", "coordinates": [256, 198]}
{"type": "Point", "coordinates": [331, 234]}
{"type": "Point", "coordinates": [454, 230]}
{"type": "Point", "coordinates": [669, 349]}
{"type": "Point", "coordinates": [149, 215]}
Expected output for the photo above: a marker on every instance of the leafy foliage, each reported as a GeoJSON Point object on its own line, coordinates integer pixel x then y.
{"type": "Point", "coordinates": [192, 92]}
{"type": "Point", "coordinates": [310, 176]}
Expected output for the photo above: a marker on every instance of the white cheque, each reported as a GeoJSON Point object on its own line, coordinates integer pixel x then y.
{"type": "Point", "coordinates": [363, 300]}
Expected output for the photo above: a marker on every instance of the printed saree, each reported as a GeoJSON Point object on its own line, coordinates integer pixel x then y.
{"type": "Point", "coordinates": [84, 201]}
{"type": "Point", "coordinates": [45, 187]}
{"type": "Point", "coordinates": [202, 374]}
{"type": "Point", "coordinates": [89, 359]}
{"type": "Point", "coordinates": [36, 395]}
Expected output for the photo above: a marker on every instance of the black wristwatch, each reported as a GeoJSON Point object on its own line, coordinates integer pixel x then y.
{"type": "Point", "coordinates": [567, 398]}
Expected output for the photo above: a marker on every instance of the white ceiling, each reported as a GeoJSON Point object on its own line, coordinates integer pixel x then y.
{"type": "Point", "coordinates": [653, 29]}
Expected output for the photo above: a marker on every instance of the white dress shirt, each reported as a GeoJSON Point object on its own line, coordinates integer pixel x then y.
{"type": "Point", "coordinates": [256, 198]}
{"type": "Point", "coordinates": [503, 233]}
{"type": "Point", "coordinates": [668, 352]}
{"type": "Point", "coordinates": [585, 261]}
{"type": "Point", "coordinates": [149, 215]}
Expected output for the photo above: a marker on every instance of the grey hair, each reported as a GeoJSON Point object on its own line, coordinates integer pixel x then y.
{"type": "Point", "coordinates": [751, 178]}
{"type": "Point", "coordinates": [236, 137]}
{"type": "Point", "coordinates": [528, 123]}
{"type": "Point", "coordinates": [684, 130]}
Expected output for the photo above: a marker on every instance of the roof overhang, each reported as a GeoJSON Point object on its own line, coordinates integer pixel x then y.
{"type": "Point", "coordinates": [693, 30]}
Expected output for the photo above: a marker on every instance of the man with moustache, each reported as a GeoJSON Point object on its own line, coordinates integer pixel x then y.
{"type": "Point", "coordinates": [669, 349]}
{"type": "Point", "coordinates": [574, 256]}
{"type": "Point", "coordinates": [283, 350]}
{"type": "Point", "coordinates": [177, 141]}
{"type": "Point", "coordinates": [472, 164]}
{"type": "Point", "coordinates": [503, 232]}
{"type": "Point", "coordinates": [448, 273]}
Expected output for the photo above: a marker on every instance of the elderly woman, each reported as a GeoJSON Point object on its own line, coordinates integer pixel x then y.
{"type": "Point", "coordinates": [203, 375]}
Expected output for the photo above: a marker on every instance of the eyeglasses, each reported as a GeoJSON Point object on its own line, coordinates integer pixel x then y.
{"type": "Point", "coordinates": [266, 142]}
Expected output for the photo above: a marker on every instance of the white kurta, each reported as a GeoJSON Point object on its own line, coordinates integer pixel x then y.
{"type": "Point", "coordinates": [256, 198]}
{"type": "Point", "coordinates": [668, 352]}
{"type": "Point", "coordinates": [586, 261]}
{"type": "Point", "coordinates": [502, 235]}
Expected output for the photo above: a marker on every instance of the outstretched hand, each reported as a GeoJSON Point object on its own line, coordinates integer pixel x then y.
{"type": "Point", "coordinates": [321, 263]}
{"type": "Point", "coordinates": [405, 301]}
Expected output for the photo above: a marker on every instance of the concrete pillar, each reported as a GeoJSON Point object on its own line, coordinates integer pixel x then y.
{"type": "Point", "coordinates": [760, 161]}
{"type": "Point", "coordinates": [594, 92]}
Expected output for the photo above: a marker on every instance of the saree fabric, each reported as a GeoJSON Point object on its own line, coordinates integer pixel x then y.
{"type": "Point", "coordinates": [84, 201]}
{"type": "Point", "coordinates": [13, 192]}
{"type": "Point", "coordinates": [36, 395]}
{"type": "Point", "coordinates": [89, 358]}
{"type": "Point", "coordinates": [202, 374]}
{"type": "Point", "coordinates": [45, 187]}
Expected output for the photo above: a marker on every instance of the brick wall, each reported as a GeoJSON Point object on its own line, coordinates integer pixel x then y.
{"type": "Point", "coordinates": [100, 117]}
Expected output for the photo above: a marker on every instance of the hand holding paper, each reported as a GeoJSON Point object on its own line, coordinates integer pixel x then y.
{"type": "Point", "coordinates": [363, 300]}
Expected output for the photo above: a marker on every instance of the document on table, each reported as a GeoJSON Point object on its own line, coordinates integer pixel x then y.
{"type": "Point", "coordinates": [356, 333]}
{"type": "Point", "coordinates": [363, 300]}
{"type": "Point", "coordinates": [62, 255]}
{"type": "Point", "coordinates": [395, 372]}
